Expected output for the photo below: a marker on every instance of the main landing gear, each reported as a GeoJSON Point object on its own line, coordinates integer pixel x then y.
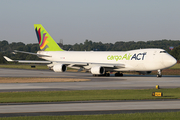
{"type": "Point", "coordinates": [105, 74]}
{"type": "Point", "coordinates": [118, 74]}
{"type": "Point", "coordinates": [159, 74]}
{"type": "Point", "coordinates": [108, 74]}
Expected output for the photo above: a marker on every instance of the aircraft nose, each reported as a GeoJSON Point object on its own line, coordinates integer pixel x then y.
{"type": "Point", "coordinates": [174, 61]}
{"type": "Point", "coordinates": [169, 61]}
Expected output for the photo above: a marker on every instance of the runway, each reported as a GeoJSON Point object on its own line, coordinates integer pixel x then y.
{"type": "Point", "coordinates": [95, 83]}
{"type": "Point", "coordinates": [85, 107]}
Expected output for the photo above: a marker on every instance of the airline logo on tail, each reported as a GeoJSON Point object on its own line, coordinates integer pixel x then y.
{"type": "Point", "coordinates": [46, 42]}
{"type": "Point", "coordinates": [42, 38]}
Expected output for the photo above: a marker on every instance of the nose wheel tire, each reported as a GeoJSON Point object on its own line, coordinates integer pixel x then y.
{"type": "Point", "coordinates": [159, 73]}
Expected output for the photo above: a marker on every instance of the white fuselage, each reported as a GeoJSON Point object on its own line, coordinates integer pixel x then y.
{"type": "Point", "coordinates": [134, 60]}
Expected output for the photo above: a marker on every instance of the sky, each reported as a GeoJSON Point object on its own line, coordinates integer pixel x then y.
{"type": "Point", "coordinates": [106, 21]}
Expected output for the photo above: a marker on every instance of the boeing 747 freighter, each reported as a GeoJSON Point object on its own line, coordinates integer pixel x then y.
{"type": "Point", "coordinates": [98, 62]}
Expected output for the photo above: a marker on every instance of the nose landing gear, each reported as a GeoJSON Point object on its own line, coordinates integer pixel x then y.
{"type": "Point", "coordinates": [159, 74]}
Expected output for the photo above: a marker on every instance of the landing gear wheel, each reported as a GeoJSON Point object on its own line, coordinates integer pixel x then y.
{"type": "Point", "coordinates": [159, 73]}
{"type": "Point", "coordinates": [118, 74]}
{"type": "Point", "coordinates": [121, 74]}
{"type": "Point", "coordinates": [107, 74]}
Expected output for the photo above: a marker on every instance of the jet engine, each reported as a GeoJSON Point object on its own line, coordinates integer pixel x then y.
{"type": "Point", "coordinates": [144, 72]}
{"type": "Point", "coordinates": [59, 68]}
{"type": "Point", "coordinates": [97, 70]}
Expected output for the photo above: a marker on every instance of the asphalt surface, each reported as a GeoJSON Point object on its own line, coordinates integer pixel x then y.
{"type": "Point", "coordinates": [95, 83]}
{"type": "Point", "coordinates": [88, 108]}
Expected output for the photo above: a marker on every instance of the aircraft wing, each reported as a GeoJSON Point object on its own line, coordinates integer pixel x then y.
{"type": "Point", "coordinates": [47, 62]}
{"type": "Point", "coordinates": [107, 65]}
{"type": "Point", "coordinates": [82, 64]}
{"type": "Point", "coordinates": [69, 63]}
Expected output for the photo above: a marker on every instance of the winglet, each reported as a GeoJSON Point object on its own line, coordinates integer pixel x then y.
{"type": "Point", "coordinates": [8, 59]}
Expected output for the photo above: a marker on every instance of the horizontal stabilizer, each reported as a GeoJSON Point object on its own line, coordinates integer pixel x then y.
{"type": "Point", "coordinates": [27, 61]}
{"type": "Point", "coordinates": [39, 55]}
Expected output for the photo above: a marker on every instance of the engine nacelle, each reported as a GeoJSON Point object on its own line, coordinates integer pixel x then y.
{"type": "Point", "coordinates": [59, 68]}
{"type": "Point", "coordinates": [144, 72]}
{"type": "Point", "coordinates": [97, 70]}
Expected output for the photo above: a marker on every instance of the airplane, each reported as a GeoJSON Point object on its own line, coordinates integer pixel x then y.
{"type": "Point", "coordinates": [99, 63]}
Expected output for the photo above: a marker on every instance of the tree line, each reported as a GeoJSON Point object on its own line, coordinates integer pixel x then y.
{"type": "Point", "coordinates": [7, 48]}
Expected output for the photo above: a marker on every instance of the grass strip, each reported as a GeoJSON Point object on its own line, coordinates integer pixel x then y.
{"type": "Point", "coordinates": [28, 66]}
{"type": "Point", "coordinates": [176, 66]}
{"type": "Point", "coordinates": [24, 66]}
{"type": "Point", "coordinates": [127, 116]}
{"type": "Point", "coordinates": [86, 95]}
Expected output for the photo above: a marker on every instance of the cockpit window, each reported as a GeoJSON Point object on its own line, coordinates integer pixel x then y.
{"type": "Point", "coordinates": [163, 52]}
